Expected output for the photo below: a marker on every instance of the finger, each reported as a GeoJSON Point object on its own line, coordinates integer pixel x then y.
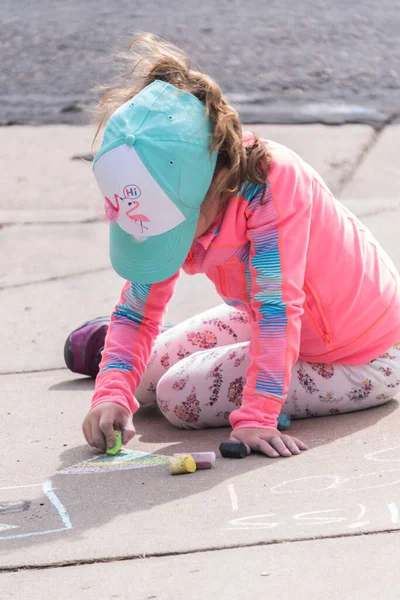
{"type": "Point", "coordinates": [280, 446]}
{"type": "Point", "coordinates": [291, 444]}
{"type": "Point", "coordinates": [266, 448]}
{"type": "Point", "coordinates": [128, 433]}
{"type": "Point", "coordinates": [98, 438]}
{"type": "Point", "coordinates": [108, 431]}
{"type": "Point", "coordinates": [91, 437]}
{"type": "Point", "coordinates": [300, 444]}
{"type": "Point", "coordinates": [127, 428]}
{"type": "Point", "coordinates": [87, 433]}
{"type": "Point", "coordinates": [125, 425]}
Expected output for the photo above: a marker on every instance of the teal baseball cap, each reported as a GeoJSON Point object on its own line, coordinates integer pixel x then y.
{"type": "Point", "coordinates": [154, 168]}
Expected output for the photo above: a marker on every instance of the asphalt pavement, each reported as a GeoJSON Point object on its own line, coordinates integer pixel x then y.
{"type": "Point", "coordinates": [278, 61]}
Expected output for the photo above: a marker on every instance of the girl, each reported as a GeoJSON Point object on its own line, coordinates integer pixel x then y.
{"type": "Point", "coordinates": [311, 324]}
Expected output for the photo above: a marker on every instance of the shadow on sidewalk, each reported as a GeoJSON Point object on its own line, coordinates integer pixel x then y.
{"type": "Point", "coordinates": [95, 499]}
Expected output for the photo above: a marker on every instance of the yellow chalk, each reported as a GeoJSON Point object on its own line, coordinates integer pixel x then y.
{"type": "Point", "coordinates": [184, 463]}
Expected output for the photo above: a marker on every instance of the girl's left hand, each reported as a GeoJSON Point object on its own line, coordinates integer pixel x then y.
{"type": "Point", "coordinates": [271, 442]}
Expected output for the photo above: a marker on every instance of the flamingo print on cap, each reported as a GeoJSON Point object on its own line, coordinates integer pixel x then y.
{"type": "Point", "coordinates": [124, 213]}
{"type": "Point", "coordinates": [133, 198]}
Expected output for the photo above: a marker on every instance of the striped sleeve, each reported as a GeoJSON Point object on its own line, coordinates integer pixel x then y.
{"type": "Point", "coordinates": [278, 232]}
{"type": "Point", "coordinates": [135, 323]}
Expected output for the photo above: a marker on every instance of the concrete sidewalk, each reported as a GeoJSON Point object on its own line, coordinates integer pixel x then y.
{"type": "Point", "coordinates": [299, 527]}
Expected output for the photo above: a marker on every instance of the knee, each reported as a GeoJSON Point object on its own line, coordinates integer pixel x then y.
{"type": "Point", "coordinates": [178, 401]}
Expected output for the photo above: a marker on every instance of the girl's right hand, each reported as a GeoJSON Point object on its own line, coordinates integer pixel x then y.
{"type": "Point", "coordinates": [271, 442]}
{"type": "Point", "coordinates": [103, 421]}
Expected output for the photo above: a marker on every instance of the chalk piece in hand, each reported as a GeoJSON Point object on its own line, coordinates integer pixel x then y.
{"type": "Point", "coordinates": [178, 465]}
{"type": "Point", "coordinates": [203, 460]}
{"type": "Point", "coordinates": [117, 446]}
{"type": "Point", "coordinates": [232, 449]}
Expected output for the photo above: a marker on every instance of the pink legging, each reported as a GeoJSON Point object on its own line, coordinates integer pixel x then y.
{"type": "Point", "coordinates": [197, 371]}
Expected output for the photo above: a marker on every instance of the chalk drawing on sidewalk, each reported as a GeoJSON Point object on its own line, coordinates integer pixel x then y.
{"type": "Point", "coordinates": [4, 527]}
{"type": "Point", "coordinates": [321, 483]}
{"type": "Point", "coordinates": [12, 507]}
{"type": "Point", "coordinates": [128, 459]}
{"type": "Point", "coordinates": [233, 497]}
{"type": "Point", "coordinates": [386, 455]}
{"type": "Point", "coordinates": [22, 506]}
{"type": "Point", "coordinates": [329, 499]}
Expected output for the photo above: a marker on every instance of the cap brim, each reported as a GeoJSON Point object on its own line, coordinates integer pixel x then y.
{"type": "Point", "coordinates": [153, 260]}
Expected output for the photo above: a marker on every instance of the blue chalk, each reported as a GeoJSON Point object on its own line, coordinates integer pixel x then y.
{"type": "Point", "coordinates": [283, 422]}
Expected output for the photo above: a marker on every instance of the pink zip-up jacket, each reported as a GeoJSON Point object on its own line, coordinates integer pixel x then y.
{"type": "Point", "coordinates": [314, 281]}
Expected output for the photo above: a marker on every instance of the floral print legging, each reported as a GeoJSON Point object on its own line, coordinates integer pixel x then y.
{"type": "Point", "coordinates": [197, 371]}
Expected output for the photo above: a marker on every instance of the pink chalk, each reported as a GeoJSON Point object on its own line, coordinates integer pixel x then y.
{"type": "Point", "coordinates": [203, 460]}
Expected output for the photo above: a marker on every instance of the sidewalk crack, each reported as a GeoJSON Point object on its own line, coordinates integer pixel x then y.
{"type": "Point", "coordinates": [54, 278]}
{"type": "Point", "coordinates": [364, 152]}
{"type": "Point", "coordinates": [144, 556]}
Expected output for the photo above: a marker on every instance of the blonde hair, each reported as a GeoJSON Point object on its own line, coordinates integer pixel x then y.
{"type": "Point", "coordinates": [150, 58]}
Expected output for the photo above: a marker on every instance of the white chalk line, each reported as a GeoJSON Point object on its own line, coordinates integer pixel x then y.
{"type": "Point", "coordinates": [360, 524]}
{"type": "Point", "coordinates": [394, 513]}
{"type": "Point", "coordinates": [372, 455]}
{"type": "Point", "coordinates": [357, 478]}
{"type": "Point", "coordinates": [47, 487]}
{"type": "Point", "coordinates": [242, 524]}
{"type": "Point", "coordinates": [24, 535]}
{"type": "Point", "coordinates": [319, 520]}
{"type": "Point", "coordinates": [16, 487]}
{"type": "Point", "coordinates": [58, 505]}
{"type": "Point", "coordinates": [337, 482]}
{"type": "Point", "coordinates": [362, 511]}
{"type": "Point", "coordinates": [233, 497]}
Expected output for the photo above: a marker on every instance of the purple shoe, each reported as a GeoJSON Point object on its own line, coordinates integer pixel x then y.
{"type": "Point", "coordinates": [83, 347]}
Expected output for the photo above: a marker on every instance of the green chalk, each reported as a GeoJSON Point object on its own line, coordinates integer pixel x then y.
{"type": "Point", "coordinates": [117, 446]}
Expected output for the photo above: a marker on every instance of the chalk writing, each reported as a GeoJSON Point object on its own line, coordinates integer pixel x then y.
{"type": "Point", "coordinates": [233, 497]}
{"type": "Point", "coordinates": [254, 522]}
{"type": "Point", "coordinates": [315, 517]}
{"type": "Point", "coordinates": [305, 485]}
{"type": "Point", "coordinates": [394, 512]}
{"type": "Point", "coordinates": [387, 455]}
{"type": "Point", "coordinates": [4, 527]}
{"type": "Point", "coordinates": [323, 483]}
{"type": "Point", "coordinates": [315, 494]}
